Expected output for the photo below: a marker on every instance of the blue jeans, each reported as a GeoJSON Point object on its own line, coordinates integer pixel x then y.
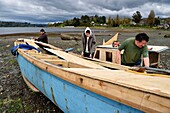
{"type": "Point", "coordinates": [137, 63]}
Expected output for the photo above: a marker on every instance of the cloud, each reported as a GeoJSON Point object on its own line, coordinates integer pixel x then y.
{"type": "Point", "coordinates": [43, 11]}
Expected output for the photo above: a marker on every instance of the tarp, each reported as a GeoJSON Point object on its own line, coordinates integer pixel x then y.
{"type": "Point", "coordinates": [22, 46]}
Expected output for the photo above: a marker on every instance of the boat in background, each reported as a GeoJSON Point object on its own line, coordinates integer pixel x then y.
{"type": "Point", "coordinates": [77, 85]}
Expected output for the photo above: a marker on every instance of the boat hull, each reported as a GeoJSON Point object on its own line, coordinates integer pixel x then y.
{"type": "Point", "coordinates": [68, 97]}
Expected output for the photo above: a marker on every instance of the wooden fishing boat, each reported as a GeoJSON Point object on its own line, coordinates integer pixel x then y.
{"type": "Point", "coordinates": [79, 86]}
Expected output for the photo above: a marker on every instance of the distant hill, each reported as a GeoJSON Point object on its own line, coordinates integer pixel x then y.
{"type": "Point", "coordinates": [20, 24]}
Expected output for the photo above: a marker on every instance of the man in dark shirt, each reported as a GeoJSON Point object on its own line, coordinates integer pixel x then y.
{"type": "Point", "coordinates": [43, 37]}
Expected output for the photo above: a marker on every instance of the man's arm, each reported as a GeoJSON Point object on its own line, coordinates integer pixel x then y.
{"type": "Point", "coordinates": [93, 44]}
{"type": "Point", "coordinates": [146, 61]}
{"type": "Point", "coordinates": [40, 38]}
{"type": "Point", "coordinates": [82, 44]}
{"type": "Point", "coordinates": [118, 57]}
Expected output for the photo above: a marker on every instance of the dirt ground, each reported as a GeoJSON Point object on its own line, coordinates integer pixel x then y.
{"type": "Point", "coordinates": [15, 96]}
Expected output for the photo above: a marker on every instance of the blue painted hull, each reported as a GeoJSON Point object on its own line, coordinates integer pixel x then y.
{"type": "Point", "coordinates": [69, 97]}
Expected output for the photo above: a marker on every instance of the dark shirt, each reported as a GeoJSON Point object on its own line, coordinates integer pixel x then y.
{"type": "Point", "coordinates": [132, 53]}
{"type": "Point", "coordinates": [43, 38]}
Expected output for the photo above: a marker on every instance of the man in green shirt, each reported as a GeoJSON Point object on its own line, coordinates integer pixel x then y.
{"type": "Point", "coordinates": [133, 50]}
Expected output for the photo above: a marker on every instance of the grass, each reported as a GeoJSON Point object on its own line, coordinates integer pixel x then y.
{"type": "Point", "coordinates": [11, 105]}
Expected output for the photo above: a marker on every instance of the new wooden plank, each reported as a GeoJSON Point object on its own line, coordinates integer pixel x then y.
{"type": "Point", "coordinates": [33, 51]}
{"type": "Point", "coordinates": [109, 64]}
{"type": "Point", "coordinates": [156, 102]}
{"type": "Point", "coordinates": [114, 38]}
{"type": "Point", "coordinates": [74, 59]}
{"type": "Point", "coordinates": [75, 65]}
{"type": "Point", "coordinates": [31, 42]}
{"type": "Point", "coordinates": [57, 62]}
{"type": "Point", "coordinates": [103, 54]}
{"type": "Point", "coordinates": [131, 80]}
{"type": "Point", "coordinates": [45, 56]}
{"type": "Point", "coordinates": [47, 45]}
{"type": "Point", "coordinates": [51, 60]}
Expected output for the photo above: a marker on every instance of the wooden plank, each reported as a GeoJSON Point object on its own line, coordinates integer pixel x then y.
{"type": "Point", "coordinates": [47, 45]}
{"type": "Point", "coordinates": [131, 80]}
{"type": "Point", "coordinates": [75, 65]}
{"type": "Point", "coordinates": [33, 51]}
{"type": "Point", "coordinates": [51, 60]}
{"type": "Point", "coordinates": [31, 42]}
{"type": "Point", "coordinates": [156, 102]}
{"type": "Point", "coordinates": [109, 64]}
{"type": "Point", "coordinates": [56, 62]}
{"type": "Point", "coordinates": [42, 56]}
{"type": "Point", "coordinates": [114, 38]}
{"type": "Point", "coordinates": [103, 55]}
{"type": "Point", "coordinates": [45, 56]}
{"type": "Point", "coordinates": [74, 59]}
{"type": "Point", "coordinates": [66, 64]}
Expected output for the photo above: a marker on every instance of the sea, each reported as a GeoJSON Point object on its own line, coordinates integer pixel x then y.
{"type": "Point", "coordinates": [12, 30]}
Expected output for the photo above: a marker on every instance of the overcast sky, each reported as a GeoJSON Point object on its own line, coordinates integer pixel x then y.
{"type": "Point", "coordinates": [44, 11]}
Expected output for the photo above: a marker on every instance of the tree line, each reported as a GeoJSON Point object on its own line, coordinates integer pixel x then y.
{"type": "Point", "coordinates": [20, 24]}
{"type": "Point", "coordinates": [135, 20]}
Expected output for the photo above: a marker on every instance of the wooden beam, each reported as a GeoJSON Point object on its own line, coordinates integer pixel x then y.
{"type": "Point", "coordinates": [71, 58]}
{"type": "Point", "coordinates": [114, 38]}
{"type": "Point", "coordinates": [108, 64]}
{"type": "Point", "coordinates": [56, 62]}
{"type": "Point", "coordinates": [45, 56]}
{"type": "Point", "coordinates": [74, 65]}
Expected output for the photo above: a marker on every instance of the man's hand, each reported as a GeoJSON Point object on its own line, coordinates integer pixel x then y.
{"type": "Point", "coordinates": [33, 38]}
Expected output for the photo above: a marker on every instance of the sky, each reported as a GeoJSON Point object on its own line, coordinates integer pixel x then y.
{"type": "Point", "coordinates": [46, 11]}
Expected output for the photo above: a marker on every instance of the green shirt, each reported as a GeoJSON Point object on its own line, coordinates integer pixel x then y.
{"type": "Point", "coordinates": [132, 53]}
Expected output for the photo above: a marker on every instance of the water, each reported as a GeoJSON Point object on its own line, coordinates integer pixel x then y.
{"type": "Point", "coordinates": [11, 30]}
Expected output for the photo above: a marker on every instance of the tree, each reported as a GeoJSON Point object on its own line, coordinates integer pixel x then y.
{"type": "Point", "coordinates": [76, 22]}
{"type": "Point", "coordinates": [157, 21]}
{"type": "Point", "coordinates": [151, 18]}
{"type": "Point", "coordinates": [167, 20]}
{"type": "Point", "coordinates": [103, 19]}
{"type": "Point", "coordinates": [126, 21]}
{"type": "Point", "coordinates": [109, 22]}
{"type": "Point", "coordinates": [137, 17]}
{"type": "Point", "coordinates": [96, 18]}
{"type": "Point", "coordinates": [66, 22]}
{"type": "Point", "coordinates": [85, 20]}
{"type": "Point", "coordinates": [116, 21]}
